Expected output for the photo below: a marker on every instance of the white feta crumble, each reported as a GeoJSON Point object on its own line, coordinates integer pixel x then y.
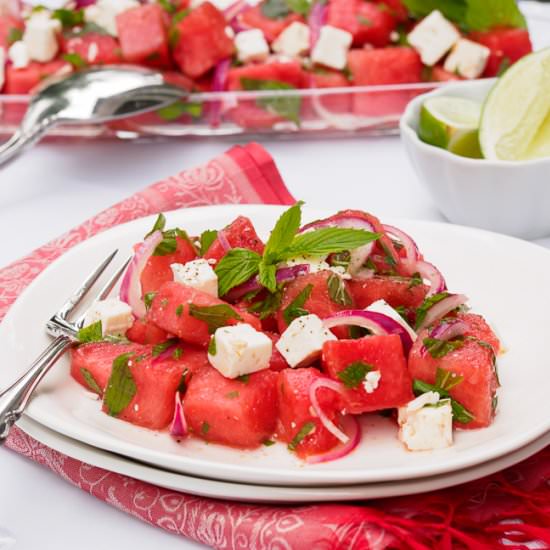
{"type": "Point", "coordinates": [467, 59]}
{"type": "Point", "coordinates": [294, 41]}
{"type": "Point", "coordinates": [115, 316]}
{"type": "Point", "coordinates": [93, 52]}
{"type": "Point", "coordinates": [426, 423]}
{"type": "Point", "coordinates": [103, 13]}
{"type": "Point", "coordinates": [316, 264]}
{"type": "Point", "coordinates": [18, 54]}
{"type": "Point", "coordinates": [331, 50]}
{"type": "Point", "coordinates": [197, 274]}
{"type": "Point", "coordinates": [229, 32]}
{"type": "Point", "coordinates": [433, 37]}
{"type": "Point", "coordinates": [40, 36]}
{"type": "Point", "coordinates": [371, 381]}
{"type": "Point", "coordinates": [239, 350]}
{"type": "Point", "coordinates": [220, 4]}
{"type": "Point", "coordinates": [302, 342]}
{"type": "Point", "coordinates": [251, 46]}
{"type": "Point", "coordinates": [381, 306]}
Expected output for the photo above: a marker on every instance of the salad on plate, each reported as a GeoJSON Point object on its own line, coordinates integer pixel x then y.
{"type": "Point", "coordinates": [238, 342]}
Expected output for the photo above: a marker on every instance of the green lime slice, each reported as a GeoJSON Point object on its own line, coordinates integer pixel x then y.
{"type": "Point", "coordinates": [451, 123]}
{"type": "Point", "coordinates": [515, 121]}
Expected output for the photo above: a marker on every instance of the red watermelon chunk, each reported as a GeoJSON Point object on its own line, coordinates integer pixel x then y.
{"type": "Point", "coordinates": [325, 78]}
{"type": "Point", "coordinates": [383, 354]}
{"type": "Point", "coordinates": [8, 24]}
{"type": "Point", "coordinates": [277, 362]}
{"type": "Point", "coordinates": [396, 8]}
{"type": "Point", "coordinates": [397, 292]}
{"type": "Point", "coordinates": [439, 74]}
{"type": "Point", "coordinates": [319, 301]}
{"type": "Point", "coordinates": [201, 40]}
{"type": "Point", "coordinates": [239, 234]}
{"type": "Point", "coordinates": [93, 48]}
{"type": "Point", "coordinates": [239, 413]}
{"type": "Point", "coordinates": [23, 81]}
{"type": "Point", "coordinates": [157, 270]}
{"type": "Point", "coordinates": [143, 35]}
{"type": "Point", "coordinates": [170, 311]}
{"type": "Point", "coordinates": [249, 115]}
{"type": "Point", "coordinates": [473, 361]}
{"type": "Point", "coordinates": [144, 332]}
{"type": "Point", "coordinates": [289, 72]}
{"type": "Point", "coordinates": [295, 411]}
{"type": "Point", "coordinates": [253, 18]}
{"type": "Point", "coordinates": [506, 45]}
{"type": "Point", "coordinates": [369, 23]}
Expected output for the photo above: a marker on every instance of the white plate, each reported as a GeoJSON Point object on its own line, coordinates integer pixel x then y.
{"type": "Point", "coordinates": [506, 279]}
{"type": "Point", "coordinates": [262, 493]}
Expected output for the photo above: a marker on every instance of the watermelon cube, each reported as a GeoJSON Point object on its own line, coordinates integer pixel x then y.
{"type": "Point", "coordinates": [24, 81]}
{"type": "Point", "coordinates": [144, 332]}
{"type": "Point", "coordinates": [369, 23]}
{"type": "Point", "coordinates": [239, 413]}
{"type": "Point", "coordinates": [143, 35]}
{"type": "Point", "coordinates": [506, 45]}
{"type": "Point", "coordinates": [325, 78]}
{"type": "Point", "coordinates": [201, 40]}
{"type": "Point", "coordinates": [277, 362]}
{"type": "Point", "coordinates": [93, 48]}
{"type": "Point", "coordinates": [253, 18]}
{"type": "Point", "coordinates": [474, 361]}
{"type": "Point", "coordinates": [247, 114]}
{"type": "Point", "coordinates": [170, 310]}
{"type": "Point", "coordinates": [295, 412]}
{"type": "Point", "coordinates": [290, 73]}
{"type": "Point", "coordinates": [351, 362]}
{"type": "Point", "coordinates": [439, 74]}
{"type": "Point", "coordinates": [240, 233]}
{"type": "Point", "coordinates": [397, 292]}
{"type": "Point", "coordinates": [396, 8]}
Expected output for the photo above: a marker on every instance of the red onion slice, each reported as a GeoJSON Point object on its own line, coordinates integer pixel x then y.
{"type": "Point", "coordinates": [231, 12]}
{"type": "Point", "coordinates": [452, 328]}
{"type": "Point", "coordinates": [316, 20]}
{"type": "Point", "coordinates": [219, 81]}
{"type": "Point", "coordinates": [350, 221]}
{"type": "Point", "coordinates": [325, 420]}
{"type": "Point", "coordinates": [178, 428]}
{"type": "Point", "coordinates": [130, 288]}
{"type": "Point", "coordinates": [353, 433]}
{"type": "Point", "coordinates": [411, 248]}
{"type": "Point", "coordinates": [377, 323]}
{"type": "Point", "coordinates": [223, 240]}
{"type": "Point", "coordinates": [433, 275]}
{"type": "Point", "coordinates": [439, 310]}
{"type": "Point", "coordinates": [168, 353]}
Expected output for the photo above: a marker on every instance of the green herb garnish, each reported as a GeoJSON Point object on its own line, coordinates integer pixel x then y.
{"type": "Point", "coordinates": [76, 60]}
{"type": "Point", "coordinates": [296, 308]}
{"type": "Point", "coordinates": [439, 348]}
{"type": "Point", "coordinates": [206, 239]}
{"type": "Point", "coordinates": [205, 428]}
{"type": "Point", "coordinates": [235, 268]}
{"type": "Point", "coordinates": [179, 108]}
{"type": "Point", "coordinates": [121, 387]}
{"type": "Point", "coordinates": [212, 349]}
{"type": "Point", "coordinates": [337, 291]}
{"type": "Point", "coordinates": [232, 395]}
{"type": "Point", "coordinates": [305, 430]}
{"type": "Point", "coordinates": [243, 378]}
{"type": "Point", "coordinates": [148, 299]}
{"type": "Point", "coordinates": [268, 442]}
{"type": "Point", "coordinates": [426, 305]}
{"type": "Point", "coordinates": [214, 316]}
{"type": "Point", "coordinates": [69, 18]}
{"type": "Point", "coordinates": [179, 310]}
{"type": "Point", "coordinates": [163, 346]}
{"type": "Point", "coordinates": [354, 374]}
{"type": "Point", "coordinates": [14, 35]}
{"type": "Point", "coordinates": [91, 381]}
{"type": "Point", "coordinates": [91, 333]}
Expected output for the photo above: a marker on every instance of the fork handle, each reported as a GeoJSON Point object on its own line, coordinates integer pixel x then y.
{"type": "Point", "coordinates": [14, 400]}
{"type": "Point", "coordinates": [20, 141]}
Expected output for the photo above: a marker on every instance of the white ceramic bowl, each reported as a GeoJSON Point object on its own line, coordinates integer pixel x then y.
{"type": "Point", "coordinates": [507, 197]}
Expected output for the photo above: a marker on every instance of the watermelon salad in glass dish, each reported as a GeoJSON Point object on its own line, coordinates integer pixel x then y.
{"type": "Point", "coordinates": [238, 342]}
{"type": "Point", "coordinates": [289, 66]}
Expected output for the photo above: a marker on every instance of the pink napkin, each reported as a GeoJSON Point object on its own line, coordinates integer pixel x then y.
{"type": "Point", "coordinates": [505, 510]}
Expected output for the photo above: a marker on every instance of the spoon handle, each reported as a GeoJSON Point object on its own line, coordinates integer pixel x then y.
{"type": "Point", "coordinates": [20, 141]}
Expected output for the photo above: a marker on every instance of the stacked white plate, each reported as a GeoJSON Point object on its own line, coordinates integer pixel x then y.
{"type": "Point", "coordinates": [505, 279]}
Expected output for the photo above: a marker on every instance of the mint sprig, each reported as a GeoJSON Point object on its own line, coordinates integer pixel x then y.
{"type": "Point", "coordinates": [91, 333]}
{"type": "Point", "coordinates": [296, 308]}
{"type": "Point", "coordinates": [121, 387]}
{"type": "Point", "coordinates": [214, 316]}
{"type": "Point", "coordinates": [235, 268]}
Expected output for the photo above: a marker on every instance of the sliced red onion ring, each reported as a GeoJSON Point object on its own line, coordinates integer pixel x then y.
{"type": "Point", "coordinates": [130, 288]}
{"type": "Point", "coordinates": [353, 433]}
{"type": "Point", "coordinates": [431, 273]}
{"type": "Point", "coordinates": [439, 310]}
{"type": "Point", "coordinates": [325, 420]}
{"type": "Point", "coordinates": [377, 323]}
{"type": "Point", "coordinates": [411, 249]}
{"type": "Point", "coordinates": [219, 81]}
{"type": "Point", "coordinates": [316, 20]}
{"type": "Point", "coordinates": [178, 428]}
{"type": "Point", "coordinates": [452, 328]}
{"type": "Point", "coordinates": [231, 12]}
{"type": "Point", "coordinates": [223, 241]}
{"type": "Point", "coordinates": [283, 275]}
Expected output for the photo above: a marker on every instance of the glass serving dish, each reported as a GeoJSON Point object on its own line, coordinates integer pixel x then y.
{"type": "Point", "coordinates": [322, 112]}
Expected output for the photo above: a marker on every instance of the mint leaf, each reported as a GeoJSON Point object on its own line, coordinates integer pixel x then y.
{"type": "Point", "coordinates": [177, 354]}
{"type": "Point", "coordinates": [287, 106]}
{"type": "Point", "coordinates": [305, 430]}
{"type": "Point", "coordinates": [159, 225]}
{"type": "Point", "coordinates": [268, 276]}
{"type": "Point", "coordinates": [168, 6]}
{"type": "Point", "coordinates": [329, 240]}
{"type": "Point", "coordinates": [422, 311]}
{"type": "Point", "coordinates": [212, 348]}
{"type": "Point", "coordinates": [447, 380]}
{"type": "Point", "coordinates": [296, 308]}
{"type": "Point", "coordinates": [91, 381]}
{"type": "Point", "coordinates": [169, 243]}
{"type": "Point", "coordinates": [148, 299]}
{"type": "Point", "coordinates": [283, 233]}
{"type": "Point", "coordinates": [91, 333]}
{"type": "Point", "coordinates": [179, 310]}
{"type": "Point", "coordinates": [205, 428]}
{"type": "Point", "coordinates": [179, 108]}
{"type": "Point", "coordinates": [235, 268]}
{"type": "Point", "coordinates": [163, 346]}
{"type": "Point", "coordinates": [121, 387]}
{"type": "Point", "coordinates": [439, 348]}
{"type": "Point", "coordinates": [214, 316]}
{"type": "Point", "coordinates": [243, 378]}
{"type": "Point", "coordinates": [269, 305]}
{"type": "Point", "coordinates": [268, 442]}
{"type": "Point", "coordinates": [455, 10]}
{"type": "Point", "coordinates": [69, 18]}
{"type": "Point", "coordinates": [354, 374]}
{"type": "Point", "coordinates": [14, 35]}
{"type": "Point", "coordinates": [337, 291]}
{"type": "Point", "coordinates": [76, 60]}
{"type": "Point", "coordinates": [278, 9]}
{"type": "Point", "coordinates": [299, 6]}
{"type": "Point", "coordinates": [206, 239]}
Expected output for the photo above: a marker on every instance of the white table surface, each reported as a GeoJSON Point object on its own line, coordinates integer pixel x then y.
{"type": "Point", "coordinates": [55, 187]}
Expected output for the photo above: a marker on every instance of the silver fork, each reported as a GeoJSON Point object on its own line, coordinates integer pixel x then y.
{"type": "Point", "coordinates": [15, 399]}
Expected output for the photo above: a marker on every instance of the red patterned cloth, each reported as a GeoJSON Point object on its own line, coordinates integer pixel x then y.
{"type": "Point", "coordinates": [510, 509]}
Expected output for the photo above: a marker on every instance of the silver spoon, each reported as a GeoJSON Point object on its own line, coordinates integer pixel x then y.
{"type": "Point", "coordinates": [91, 96]}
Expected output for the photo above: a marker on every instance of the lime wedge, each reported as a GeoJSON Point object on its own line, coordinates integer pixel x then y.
{"type": "Point", "coordinates": [451, 123]}
{"type": "Point", "coordinates": [515, 122]}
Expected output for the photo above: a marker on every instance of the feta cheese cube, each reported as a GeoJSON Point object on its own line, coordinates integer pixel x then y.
{"type": "Point", "coordinates": [239, 349]}
{"type": "Point", "coordinates": [302, 342]}
{"type": "Point", "coordinates": [332, 47]}
{"type": "Point", "coordinates": [197, 274]}
{"type": "Point", "coordinates": [103, 13]}
{"type": "Point", "coordinates": [293, 41]}
{"type": "Point", "coordinates": [426, 423]}
{"type": "Point", "coordinates": [251, 46]}
{"type": "Point", "coordinates": [467, 59]}
{"type": "Point", "coordinates": [18, 54]}
{"type": "Point", "coordinates": [115, 316]}
{"type": "Point", "coordinates": [371, 381]}
{"type": "Point", "coordinates": [40, 36]}
{"type": "Point", "coordinates": [433, 37]}
{"type": "Point", "coordinates": [316, 264]}
{"type": "Point", "coordinates": [381, 306]}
